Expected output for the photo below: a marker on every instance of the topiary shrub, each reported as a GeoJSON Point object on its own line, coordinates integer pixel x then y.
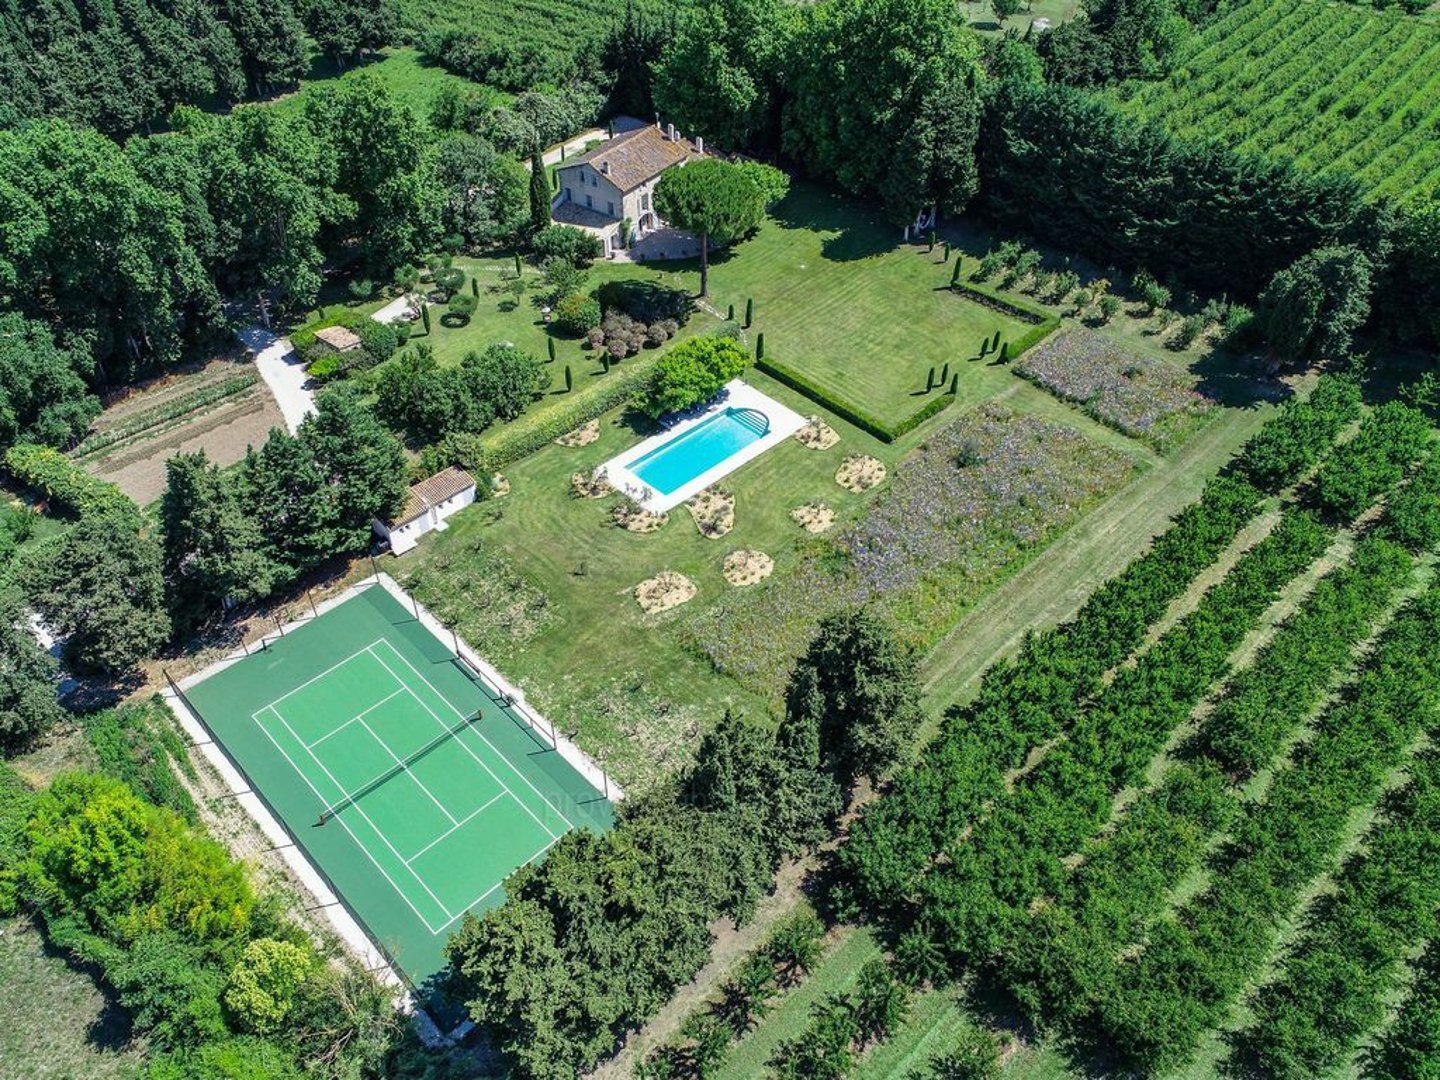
{"type": "Point", "coordinates": [577, 314]}
{"type": "Point", "coordinates": [461, 307]}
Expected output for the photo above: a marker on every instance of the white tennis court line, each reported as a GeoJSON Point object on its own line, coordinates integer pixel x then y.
{"type": "Point", "coordinates": [467, 749]}
{"type": "Point", "coordinates": [327, 671]}
{"type": "Point", "coordinates": [406, 770]}
{"type": "Point", "coordinates": [357, 716]}
{"type": "Point", "coordinates": [346, 825]}
{"type": "Point", "coordinates": [463, 821]}
{"type": "Point", "coordinates": [494, 749]}
{"type": "Point", "coordinates": [481, 898]}
{"type": "Point", "coordinates": [361, 811]}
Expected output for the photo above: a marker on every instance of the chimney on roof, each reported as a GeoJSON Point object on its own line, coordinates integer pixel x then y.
{"type": "Point", "coordinates": [670, 133]}
{"type": "Point", "coordinates": [605, 168]}
{"type": "Point", "coordinates": [699, 144]}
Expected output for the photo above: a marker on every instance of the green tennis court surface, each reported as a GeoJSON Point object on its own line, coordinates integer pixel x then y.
{"type": "Point", "coordinates": [411, 787]}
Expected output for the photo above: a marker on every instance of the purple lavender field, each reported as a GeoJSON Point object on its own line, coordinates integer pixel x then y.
{"type": "Point", "coordinates": [1144, 397]}
{"type": "Point", "coordinates": [961, 510]}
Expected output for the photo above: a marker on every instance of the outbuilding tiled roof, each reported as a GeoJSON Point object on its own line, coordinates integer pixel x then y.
{"type": "Point", "coordinates": [432, 491]}
{"type": "Point", "coordinates": [339, 338]}
{"type": "Point", "coordinates": [638, 156]}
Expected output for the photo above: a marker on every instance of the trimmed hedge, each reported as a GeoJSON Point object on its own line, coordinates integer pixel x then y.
{"type": "Point", "coordinates": [63, 482]}
{"type": "Point", "coordinates": [533, 431]}
{"type": "Point", "coordinates": [866, 422]}
{"type": "Point", "coordinates": [1043, 323]}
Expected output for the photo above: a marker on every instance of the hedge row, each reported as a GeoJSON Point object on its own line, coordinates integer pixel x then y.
{"type": "Point", "coordinates": [1292, 441]}
{"type": "Point", "coordinates": [1412, 516]}
{"type": "Point", "coordinates": [1028, 700]}
{"type": "Point", "coordinates": [1196, 962]}
{"type": "Point", "coordinates": [1264, 703]}
{"type": "Point", "coordinates": [533, 431]}
{"type": "Point", "coordinates": [1389, 441]}
{"type": "Point", "coordinates": [1066, 962]}
{"type": "Point", "coordinates": [975, 907]}
{"type": "Point", "coordinates": [871, 425]}
{"type": "Point", "coordinates": [66, 485]}
{"type": "Point", "coordinates": [1337, 976]}
{"type": "Point", "coordinates": [1042, 322]}
{"type": "Point", "coordinates": [1411, 1046]}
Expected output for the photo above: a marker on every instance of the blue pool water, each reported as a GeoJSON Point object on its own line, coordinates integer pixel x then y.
{"type": "Point", "coordinates": [672, 465]}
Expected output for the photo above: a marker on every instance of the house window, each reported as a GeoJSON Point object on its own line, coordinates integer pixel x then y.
{"type": "Point", "coordinates": [610, 208]}
{"type": "Point", "coordinates": [568, 196]}
{"type": "Point", "coordinates": [589, 202]}
{"type": "Point", "coordinates": [645, 202]}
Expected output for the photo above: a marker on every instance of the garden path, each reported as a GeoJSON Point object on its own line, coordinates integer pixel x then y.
{"type": "Point", "coordinates": [283, 373]}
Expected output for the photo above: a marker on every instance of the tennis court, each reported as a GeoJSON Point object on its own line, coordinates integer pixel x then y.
{"type": "Point", "coordinates": [412, 786]}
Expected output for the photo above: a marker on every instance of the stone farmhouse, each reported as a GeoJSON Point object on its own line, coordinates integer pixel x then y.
{"type": "Point", "coordinates": [615, 184]}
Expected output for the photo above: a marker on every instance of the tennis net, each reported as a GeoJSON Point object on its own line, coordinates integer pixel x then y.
{"type": "Point", "coordinates": [395, 770]}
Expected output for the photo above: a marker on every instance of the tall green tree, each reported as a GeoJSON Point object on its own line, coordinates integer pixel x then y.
{"type": "Point", "coordinates": [885, 102]}
{"type": "Point", "coordinates": [100, 587]}
{"type": "Point", "coordinates": [43, 394]}
{"type": "Point", "coordinates": [93, 248]}
{"type": "Point", "coordinates": [1312, 308]}
{"type": "Point", "coordinates": [483, 191]}
{"type": "Point", "coordinates": [362, 462]}
{"type": "Point", "coordinates": [391, 209]}
{"type": "Point", "coordinates": [27, 677]}
{"type": "Point", "coordinates": [539, 192]}
{"type": "Point", "coordinates": [214, 551]}
{"type": "Point", "coordinates": [714, 199]}
{"type": "Point", "coordinates": [720, 75]}
{"type": "Point", "coordinates": [272, 41]}
{"type": "Point", "coordinates": [282, 486]}
{"type": "Point", "coordinates": [861, 687]}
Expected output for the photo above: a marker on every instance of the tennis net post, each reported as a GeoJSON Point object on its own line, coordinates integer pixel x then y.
{"type": "Point", "coordinates": [395, 770]}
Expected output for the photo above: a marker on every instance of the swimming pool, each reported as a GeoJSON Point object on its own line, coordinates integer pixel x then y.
{"type": "Point", "coordinates": [678, 461]}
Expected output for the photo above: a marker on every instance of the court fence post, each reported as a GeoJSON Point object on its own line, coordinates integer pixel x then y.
{"type": "Point", "coordinates": [310, 595]}
{"type": "Point", "coordinates": [375, 566]}
{"type": "Point", "coordinates": [276, 619]}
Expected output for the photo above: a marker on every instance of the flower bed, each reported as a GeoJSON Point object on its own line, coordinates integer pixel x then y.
{"type": "Point", "coordinates": [1143, 397]}
{"type": "Point", "coordinates": [961, 510]}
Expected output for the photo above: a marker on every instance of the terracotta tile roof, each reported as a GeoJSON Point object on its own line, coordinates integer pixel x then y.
{"type": "Point", "coordinates": [637, 156]}
{"type": "Point", "coordinates": [339, 338]}
{"type": "Point", "coordinates": [432, 490]}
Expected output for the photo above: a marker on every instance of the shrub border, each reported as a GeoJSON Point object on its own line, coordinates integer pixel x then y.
{"type": "Point", "coordinates": [867, 423]}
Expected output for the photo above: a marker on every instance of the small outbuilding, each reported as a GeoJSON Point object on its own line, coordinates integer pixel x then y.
{"type": "Point", "coordinates": [340, 338]}
{"type": "Point", "coordinates": [427, 505]}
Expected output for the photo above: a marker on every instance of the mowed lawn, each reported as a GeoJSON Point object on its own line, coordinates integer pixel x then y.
{"type": "Point", "coordinates": [842, 299]}
{"type": "Point", "coordinates": [624, 680]}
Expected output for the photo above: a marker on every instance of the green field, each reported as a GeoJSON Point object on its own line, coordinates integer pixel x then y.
{"type": "Point", "coordinates": [1335, 87]}
{"type": "Point", "coordinates": [411, 786]}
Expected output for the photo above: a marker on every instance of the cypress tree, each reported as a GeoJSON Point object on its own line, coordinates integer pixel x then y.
{"type": "Point", "coordinates": [569, 379]}
{"type": "Point", "coordinates": [931, 238]}
{"type": "Point", "coordinates": [945, 252]}
{"type": "Point", "coordinates": [539, 194]}
{"type": "Point", "coordinates": [955, 274]}
{"type": "Point", "coordinates": [518, 269]}
{"type": "Point", "coordinates": [475, 287]}
{"type": "Point", "coordinates": [945, 373]}
{"type": "Point", "coordinates": [996, 343]}
{"type": "Point", "coordinates": [730, 313]}
{"type": "Point", "coordinates": [550, 348]}
{"type": "Point", "coordinates": [425, 316]}
{"type": "Point", "coordinates": [760, 347]}
{"type": "Point", "coordinates": [955, 383]}
{"type": "Point", "coordinates": [605, 361]}
{"type": "Point", "coordinates": [1005, 353]}
{"type": "Point", "coordinates": [749, 312]}
{"type": "Point", "coordinates": [930, 379]}
{"type": "Point", "coordinates": [984, 347]}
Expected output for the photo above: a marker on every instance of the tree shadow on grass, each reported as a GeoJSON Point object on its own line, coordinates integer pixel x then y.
{"type": "Point", "coordinates": [112, 1029]}
{"type": "Point", "coordinates": [857, 232]}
